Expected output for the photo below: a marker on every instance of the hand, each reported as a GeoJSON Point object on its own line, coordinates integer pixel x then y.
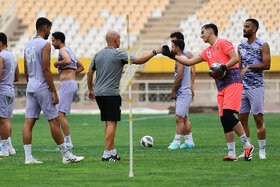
{"type": "Point", "coordinates": [173, 95]}
{"type": "Point", "coordinates": [223, 67]}
{"type": "Point", "coordinates": [166, 52]}
{"type": "Point", "coordinates": [91, 95]}
{"type": "Point", "coordinates": [192, 90]}
{"type": "Point", "coordinates": [159, 50]}
{"type": "Point", "coordinates": [244, 71]}
{"type": "Point", "coordinates": [55, 98]}
{"type": "Point", "coordinates": [56, 64]}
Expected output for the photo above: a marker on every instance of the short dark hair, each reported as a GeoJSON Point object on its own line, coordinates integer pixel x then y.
{"type": "Point", "coordinates": [179, 43]}
{"type": "Point", "coordinates": [213, 27]}
{"type": "Point", "coordinates": [42, 22]}
{"type": "Point", "coordinates": [59, 36]}
{"type": "Point", "coordinates": [3, 38]}
{"type": "Point", "coordinates": [254, 22]}
{"type": "Point", "coordinates": [178, 35]}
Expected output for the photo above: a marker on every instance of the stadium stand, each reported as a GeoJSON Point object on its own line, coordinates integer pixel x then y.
{"type": "Point", "coordinates": [85, 23]}
{"type": "Point", "coordinates": [229, 17]}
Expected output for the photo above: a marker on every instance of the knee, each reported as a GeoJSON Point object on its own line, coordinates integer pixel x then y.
{"type": "Point", "coordinates": [61, 115]}
{"type": "Point", "coordinates": [228, 120]}
{"type": "Point", "coordinates": [259, 120]}
{"type": "Point", "coordinates": [179, 119]}
{"type": "Point", "coordinates": [54, 122]}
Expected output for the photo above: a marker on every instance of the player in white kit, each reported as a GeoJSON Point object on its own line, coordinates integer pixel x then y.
{"type": "Point", "coordinates": [182, 94]}
{"type": "Point", "coordinates": [8, 75]}
{"type": "Point", "coordinates": [41, 93]}
{"type": "Point", "coordinates": [68, 66]}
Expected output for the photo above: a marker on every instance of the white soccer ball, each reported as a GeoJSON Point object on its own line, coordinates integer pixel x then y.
{"type": "Point", "coordinates": [147, 141]}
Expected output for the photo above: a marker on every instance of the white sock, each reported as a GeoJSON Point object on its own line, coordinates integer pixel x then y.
{"type": "Point", "coordinates": [262, 144]}
{"type": "Point", "coordinates": [27, 151]}
{"type": "Point", "coordinates": [231, 149]}
{"type": "Point", "coordinates": [248, 138]}
{"type": "Point", "coordinates": [5, 145]}
{"type": "Point", "coordinates": [188, 139]}
{"type": "Point", "coordinates": [106, 154]}
{"type": "Point", "coordinates": [68, 140]}
{"type": "Point", "coordinates": [64, 151]}
{"type": "Point", "coordinates": [191, 138]}
{"type": "Point", "coordinates": [114, 152]}
{"type": "Point", "coordinates": [10, 143]}
{"type": "Point", "coordinates": [244, 140]}
{"type": "Point", "coordinates": [177, 139]}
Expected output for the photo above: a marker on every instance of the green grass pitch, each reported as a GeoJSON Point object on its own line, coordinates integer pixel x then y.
{"type": "Point", "coordinates": [157, 166]}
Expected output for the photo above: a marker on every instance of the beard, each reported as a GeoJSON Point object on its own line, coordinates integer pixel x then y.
{"type": "Point", "coordinates": [46, 36]}
{"type": "Point", "coordinates": [247, 35]}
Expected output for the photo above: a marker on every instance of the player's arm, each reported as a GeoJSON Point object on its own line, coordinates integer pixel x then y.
{"type": "Point", "coordinates": [188, 62]}
{"type": "Point", "coordinates": [185, 61]}
{"type": "Point", "coordinates": [90, 84]}
{"type": "Point", "coordinates": [80, 67]}
{"type": "Point", "coordinates": [266, 60]}
{"type": "Point", "coordinates": [90, 73]}
{"type": "Point", "coordinates": [16, 74]}
{"type": "Point", "coordinates": [242, 72]}
{"type": "Point", "coordinates": [240, 61]}
{"type": "Point", "coordinates": [25, 69]}
{"type": "Point", "coordinates": [178, 81]}
{"type": "Point", "coordinates": [233, 59]}
{"type": "Point", "coordinates": [89, 79]}
{"type": "Point", "coordinates": [146, 58]}
{"type": "Point", "coordinates": [1, 67]}
{"type": "Point", "coordinates": [189, 55]}
{"type": "Point", "coordinates": [66, 59]}
{"type": "Point", "coordinates": [47, 72]}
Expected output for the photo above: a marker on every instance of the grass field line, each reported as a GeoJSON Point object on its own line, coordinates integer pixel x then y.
{"type": "Point", "coordinates": [150, 117]}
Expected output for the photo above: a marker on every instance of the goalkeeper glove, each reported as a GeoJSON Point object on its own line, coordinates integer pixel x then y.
{"type": "Point", "coordinates": [166, 52]}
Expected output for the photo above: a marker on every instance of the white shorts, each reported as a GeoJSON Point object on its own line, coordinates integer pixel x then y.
{"type": "Point", "coordinates": [42, 100]}
{"type": "Point", "coordinates": [252, 101]}
{"type": "Point", "coordinates": [67, 91]}
{"type": "Point", "coordinates": [6, 106]}
{"type": "Point", "coordinates": [182, 105]}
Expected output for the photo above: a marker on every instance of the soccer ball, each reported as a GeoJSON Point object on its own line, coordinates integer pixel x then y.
{"type": "Point", "coordinates": [216, 72]}
{"type": "Point", "coordinates": [147, 141]}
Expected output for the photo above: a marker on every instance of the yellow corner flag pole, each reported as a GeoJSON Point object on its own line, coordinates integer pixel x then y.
{"type": "Point", "coordinates": [130, 100]}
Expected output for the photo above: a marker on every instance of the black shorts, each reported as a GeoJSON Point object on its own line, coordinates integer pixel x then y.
{"type": "Point", "coordinates": [110, 107]}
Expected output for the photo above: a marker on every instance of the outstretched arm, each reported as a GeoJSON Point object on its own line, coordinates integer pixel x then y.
{"type": "Point", "coordinates": [146, 58]}
{"type": "Point", "coordinates": [188, 62]}
{"type": "Point", "coordinates": [185, 61]}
